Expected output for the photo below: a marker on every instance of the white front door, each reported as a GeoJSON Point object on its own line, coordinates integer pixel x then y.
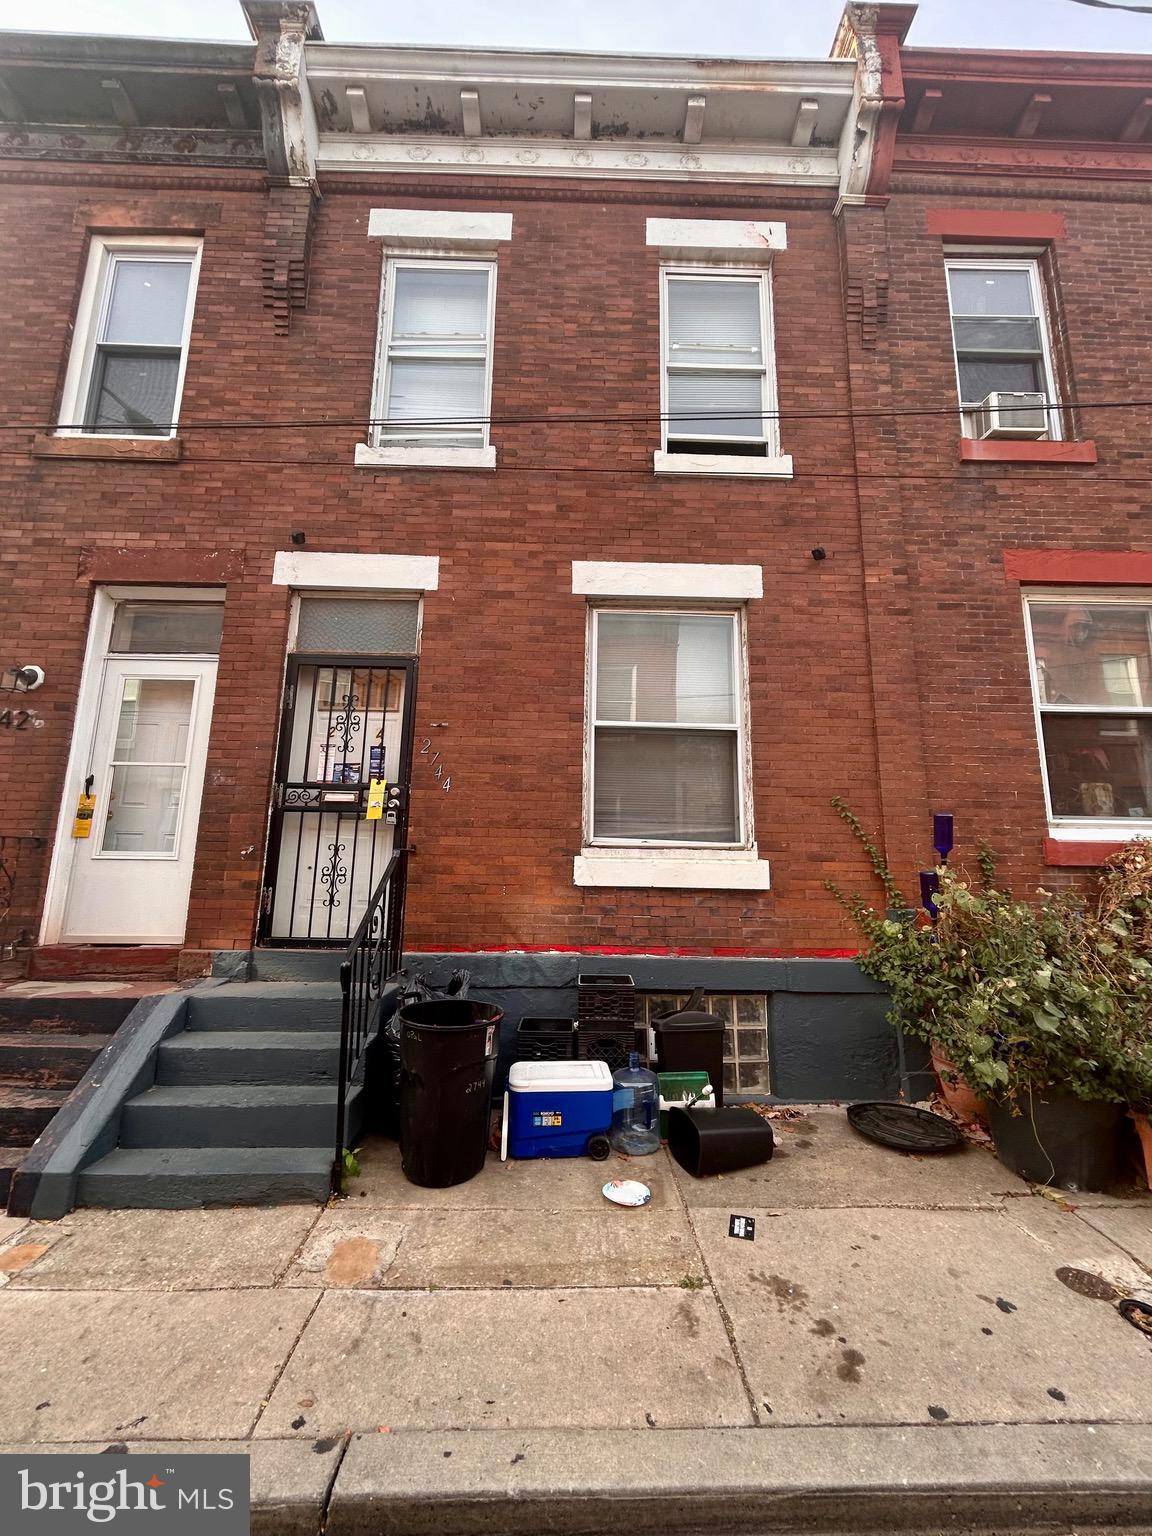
{"type": "Point", "coordinates": [130, 877]}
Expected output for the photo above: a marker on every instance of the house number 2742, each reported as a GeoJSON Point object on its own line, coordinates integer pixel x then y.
{"type": "Point", "coordinates": [442, 778]}
{"type": "Point", "coordinates": [19, 720]}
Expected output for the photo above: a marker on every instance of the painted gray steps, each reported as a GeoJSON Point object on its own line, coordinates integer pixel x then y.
{"type": "Point", "coordinates": [266, 1005]}
{"type": "Point", "coordinates": [296, 964]}
{"type": "Point", "coordinates": [214, 1115]}
{"type": "Point", "coordinates": [182, 1178]}
{"type": "Point", "coordinates": [50, 1060]}
{"type": "Point", "coordinates": [249, 1056]}
{"type": "Point", "coordinates": [24, 1112]}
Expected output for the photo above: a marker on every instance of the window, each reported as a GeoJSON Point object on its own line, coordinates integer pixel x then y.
{"type": "Point", "coordinates": [999, 334]}
{"type": "Point", "coordinates": [126, 372]}
{"type": "Point", "coordinates": [745, 1015]}
{"type": "Point", "coordinates": [167, 629]}
{"type": "Point", "coordinates": [436, 373]}
{"type": "Point", "coordinates": [719, 388]}
{"type": "Point", "coordinates": [667, 729]}
{"type": "Point", "coordinates": [1092, 679]}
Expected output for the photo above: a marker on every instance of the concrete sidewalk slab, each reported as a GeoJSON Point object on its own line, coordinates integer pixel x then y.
{"type": "Point", "coordinates": [1130, 1229]}
{"type": "Point", "coordinates": [290, 1480]}
{"type": "Point", "coordinates": [537, 1184]}
{"type": "Point", "coordinates": [820, 1161]}
{"type": "Point", "coordinates": [129, 1365]}
{"type": "Point", "coordinates": [885, 1316]}
{"type": "Point", "coordinates": [10, 1225]}
{"type": "Point", "coordinates": [1076, 1239]}
{"type": "Point", "coordinates": [233, 1248]}
{"type": "Point", "coordinates": [735, 1481]}
{"type": "Point", "coordinates": [509, 1359]}
{"type": "Point", "coordinates": [491, 1249]}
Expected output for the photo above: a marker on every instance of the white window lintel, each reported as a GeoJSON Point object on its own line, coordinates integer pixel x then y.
{"type": "Point", "coordinates": [660, 579]}
{"type": "Point", "coordinates": [363, 573]}
{"type": "Point", "coordinates": [729, 240]}
{"type": "Point", "coordinates": [422, 229]}
{"type": "Point", "coordinates": [719, 465]}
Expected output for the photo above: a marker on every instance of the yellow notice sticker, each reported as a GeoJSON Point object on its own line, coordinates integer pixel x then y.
{"type": "Point", "coordinates": [377, 790]}
{"type": "Point", "coordinates": [85, 807]}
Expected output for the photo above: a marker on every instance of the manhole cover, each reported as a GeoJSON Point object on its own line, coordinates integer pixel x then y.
{"type": "Point", "coordinates": [1085, 1283]}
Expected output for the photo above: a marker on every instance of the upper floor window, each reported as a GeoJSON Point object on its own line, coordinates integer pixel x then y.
{"type": "Point", "coordinates": [435, 379]}
{"type": "Point", "coordinates": [130, 346]}
{"type": "Point", "coordinates": [666, 716]}
{"type": "Point", "coordinates": [1092, 682]}
{"type": "Point", "coordinates": [1002, 347]}
{"type": "Point", "coordinates": [719, 388]}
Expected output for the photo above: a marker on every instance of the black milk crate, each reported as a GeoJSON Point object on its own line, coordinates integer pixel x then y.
{"type": "Point", "coordinates": [605, 1001]}
{"type": "Point", "coordinates": [539, 1039]}
{"type": "Point", "coordinates": [603, 1043]}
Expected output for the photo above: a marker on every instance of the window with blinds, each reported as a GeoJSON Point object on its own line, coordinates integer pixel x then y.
{"type": "Point", "coordinates": [667, 728]}
{"type": "Point", "coordinates": [719, 391]}
{"type": "Point", "coordinates": [999, 333]}
{"type": "Point", "coordinates": [437, 353]}
{"type": "Point", "coordinates": [131, 340]}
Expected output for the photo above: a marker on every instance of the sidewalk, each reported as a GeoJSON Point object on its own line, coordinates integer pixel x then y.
{"type": "Point", "coordinates": [896, 1336]}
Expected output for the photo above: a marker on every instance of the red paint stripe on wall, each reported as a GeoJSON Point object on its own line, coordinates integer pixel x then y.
{"type": "Point", "coordinates": [690, 954]}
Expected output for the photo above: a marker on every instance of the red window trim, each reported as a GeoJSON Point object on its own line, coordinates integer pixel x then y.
{"type": "Point", "coordinates": [1003, 450]}
{"type": "Point", "coordinates": [1078, 855]}
{"type": "Point", "coordinates": [977, 224]}
{"type": "Point", "coordinates": [1079, 567]}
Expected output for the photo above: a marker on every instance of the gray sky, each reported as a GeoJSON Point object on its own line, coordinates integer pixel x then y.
{"type": "Point", "coordinates": [780, 28]}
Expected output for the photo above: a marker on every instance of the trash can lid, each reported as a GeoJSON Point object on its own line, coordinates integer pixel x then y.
{"type": "Point", "coordinates": [674, 1021]}
{"type": "Point", "coordinates": [560, 1077]}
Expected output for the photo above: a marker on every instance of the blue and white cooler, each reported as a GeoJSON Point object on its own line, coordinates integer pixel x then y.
{"type": "Point", "coordinates": [557, 1109]}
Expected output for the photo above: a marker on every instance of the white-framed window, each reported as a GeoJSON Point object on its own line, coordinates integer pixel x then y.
{"type": "Point", "coordinates": [130, 344]}
{"type": "Point", "coordinates": [718, 380]}
{"type": "Point", "coordinates": [1091, 662]}
{"type": "Point", "coordinates": [434, 380]}
{"type": "Point", "coordinates": [1000, 333]}
{"type": "Point", "coordinates": [667, 729]}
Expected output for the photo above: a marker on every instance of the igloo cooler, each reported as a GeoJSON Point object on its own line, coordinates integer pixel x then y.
{"type": "Point", "coordinates": [558, 1109]}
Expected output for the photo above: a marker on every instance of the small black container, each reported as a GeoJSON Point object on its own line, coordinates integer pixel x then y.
{"type": "Point", "coordinates": [539, 1039]}
{"type": "Point", "coordinates": [447, 1064]}
{"type": "Point", "coordinates": [692, 1040]}
{"type": "Point", "coordinates": [705, 1141]}
{"type": "Point", "coordinates": [1069, 1142]}
{"type": "Point", "coordinates": [606, 1006]}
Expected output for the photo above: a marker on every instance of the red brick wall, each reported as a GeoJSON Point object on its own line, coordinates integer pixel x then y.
{"type": "Point", "coordinates": [503, 640]}
{"type": "Point", "coordinates": [960, 618]}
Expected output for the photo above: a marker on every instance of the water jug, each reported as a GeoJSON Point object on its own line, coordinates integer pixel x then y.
{"type": "Point", "coordinates": [635, 1109]}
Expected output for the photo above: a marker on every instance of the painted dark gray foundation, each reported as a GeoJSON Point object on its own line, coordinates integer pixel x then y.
{"type": "Point", "coordinates": [828, 1034]}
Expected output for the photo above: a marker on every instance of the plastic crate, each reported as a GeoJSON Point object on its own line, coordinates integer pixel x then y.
{"type": "Point", "coordinates": [611, 1045]}
{"type": "Point", "coordinates": [539, 1039]}
{"type": "Point", "coordinates": [605, 1000]}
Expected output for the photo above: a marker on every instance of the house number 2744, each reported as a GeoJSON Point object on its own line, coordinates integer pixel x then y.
{"type": "Point", "coordinates": [442, 778]}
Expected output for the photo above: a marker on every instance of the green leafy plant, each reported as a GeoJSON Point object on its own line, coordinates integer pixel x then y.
{"type": "Point", "coordinates": [349, 1169]}
{"type": "Point", "coordinates": [1025, 996]}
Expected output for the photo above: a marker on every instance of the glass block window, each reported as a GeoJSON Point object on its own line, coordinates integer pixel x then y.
{"type": "Point", "coordinates": [745, 1014]}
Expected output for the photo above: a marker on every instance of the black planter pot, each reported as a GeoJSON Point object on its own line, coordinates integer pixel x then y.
{"type": "Point", "coordinates": [1062, 1140]}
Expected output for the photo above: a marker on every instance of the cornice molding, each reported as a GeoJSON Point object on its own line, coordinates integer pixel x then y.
{"type": "Point", "coordinates": [1008, 157]}
{"type": "Point", "coordinates": [670, 194]}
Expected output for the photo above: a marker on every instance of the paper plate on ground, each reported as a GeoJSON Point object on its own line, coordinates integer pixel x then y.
{"type": "Point", "coordinates": [904, 1127]}
{"type": "Point", "coordinates": [628, 1192]}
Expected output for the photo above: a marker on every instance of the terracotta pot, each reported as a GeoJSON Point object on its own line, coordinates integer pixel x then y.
{"type": "Point", "coordinates": [960, 1099]}
{"type": "Point", "coordinates": [1144, 1130]}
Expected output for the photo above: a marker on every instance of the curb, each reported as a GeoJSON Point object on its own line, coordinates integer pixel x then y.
{"type": "Point", "coordinates": [992, 1478]}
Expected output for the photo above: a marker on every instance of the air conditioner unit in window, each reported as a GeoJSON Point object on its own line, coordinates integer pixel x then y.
{"type": "Point", "coordinates": [1012, 414]}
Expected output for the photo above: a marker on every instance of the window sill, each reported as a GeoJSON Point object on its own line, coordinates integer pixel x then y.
{"type": "Point", "coordinates": [1006, 450]}
{"type": "Point", "coordinates": [721, 465]}
{"type": "Point", "coordinates": [1064, 853]}
{"type": "Point", "coordinates": [699, 871]}
{"type": "Point", "coordinates": [432, 456]}
{"type": "Point", "coordinates": [163, 450]}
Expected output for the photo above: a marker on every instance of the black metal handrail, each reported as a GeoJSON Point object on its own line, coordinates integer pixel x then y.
{"type": "Point", "coordinates": [373, 956]}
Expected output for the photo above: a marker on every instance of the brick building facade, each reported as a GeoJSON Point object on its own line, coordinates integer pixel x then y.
{"type": "Point", "coordinates": [841, 563]}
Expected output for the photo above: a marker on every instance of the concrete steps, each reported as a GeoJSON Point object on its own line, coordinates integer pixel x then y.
{"type": "Point", "coordinates": [177, 1178]}
{"type": "Point", "coordinates": [105, 962]}
{"type": "Point", "coordinates": [243, 1107]}
{"type": "Point", "coordinates": [25, 1112]}
{"type": "Point", "coordinates": [255, 1115]}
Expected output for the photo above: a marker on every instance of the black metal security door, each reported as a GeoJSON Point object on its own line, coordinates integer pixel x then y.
{"type": "Point", "coordinates": [347, 721]}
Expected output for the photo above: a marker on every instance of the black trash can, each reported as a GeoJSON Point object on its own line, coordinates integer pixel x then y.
{"type": "Point", "coordinates": [705, 1141]}
{"type": "Point", "coordinates": [692, 1040]}
{"type": "Point", "coordinates": [447, 1064]}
